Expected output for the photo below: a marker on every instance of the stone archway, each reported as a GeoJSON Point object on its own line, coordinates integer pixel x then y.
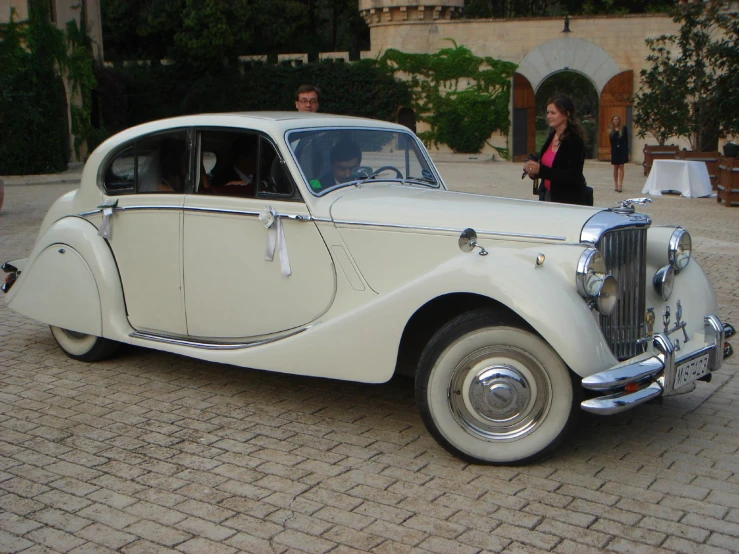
{"type": "Point", "coordinates": [566, 54]}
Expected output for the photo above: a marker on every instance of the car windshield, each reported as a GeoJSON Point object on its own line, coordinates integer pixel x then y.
{"type": "Point", "coordinates": [332, 158]}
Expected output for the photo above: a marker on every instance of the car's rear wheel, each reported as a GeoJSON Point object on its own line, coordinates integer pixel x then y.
{"type": "Point", "coordinates": [86, 348]}
{"type": "Point", "coordinates": [491, 392]}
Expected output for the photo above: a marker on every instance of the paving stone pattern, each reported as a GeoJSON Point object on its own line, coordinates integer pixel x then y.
{"type": "Point", "coordinates": [155, 453]}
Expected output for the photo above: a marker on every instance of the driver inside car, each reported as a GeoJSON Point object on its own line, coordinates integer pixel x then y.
{"type": "Point", "coordinates": [345, 159]}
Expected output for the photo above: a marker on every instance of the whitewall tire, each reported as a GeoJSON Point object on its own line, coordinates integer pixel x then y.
{"type": "Point", "coordinates": [86, 348]}
{"type": "Point", "coordinates": [491, 392]}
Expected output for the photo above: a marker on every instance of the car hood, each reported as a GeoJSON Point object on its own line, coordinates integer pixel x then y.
{"type": "Point", "coordinates": [428, 209]}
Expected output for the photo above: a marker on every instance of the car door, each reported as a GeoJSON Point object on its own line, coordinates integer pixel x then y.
{"type": "Point", "coordinates": [146, 180]}
{"type": "Point", "coordinates": [231, 289]}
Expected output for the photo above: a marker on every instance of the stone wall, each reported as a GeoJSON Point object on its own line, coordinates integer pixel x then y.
{"type": "Point", "coordinates": [605, 45]}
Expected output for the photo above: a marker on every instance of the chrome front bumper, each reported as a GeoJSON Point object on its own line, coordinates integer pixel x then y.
{"type": "Point", "coordinates": [653, 374]}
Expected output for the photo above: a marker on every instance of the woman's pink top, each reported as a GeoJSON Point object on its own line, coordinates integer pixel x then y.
{"type": "Point", "coordinates": [548, 159]}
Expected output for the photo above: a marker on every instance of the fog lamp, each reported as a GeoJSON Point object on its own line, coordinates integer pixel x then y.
{"type": "Point", "coordinates": [663, 282]}
{"type": "Point", "coordinates": [608, 297]}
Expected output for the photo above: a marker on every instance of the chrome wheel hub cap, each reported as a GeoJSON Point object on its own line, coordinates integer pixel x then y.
{"type": "Point", "coordinates": [499, 394]}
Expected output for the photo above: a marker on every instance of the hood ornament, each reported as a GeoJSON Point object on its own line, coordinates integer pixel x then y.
{"type": "Point", "coordinates": [629, 205]}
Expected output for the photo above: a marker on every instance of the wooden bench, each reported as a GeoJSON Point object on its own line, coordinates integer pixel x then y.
{"type": "Point", "coordinates": [709, 158]}
{"type": "Point", "coordinates": [652, 153]}
{"type": "Point", "coordinates": [728, 181]}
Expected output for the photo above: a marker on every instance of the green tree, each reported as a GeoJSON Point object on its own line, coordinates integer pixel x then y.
{"type": "Point", "coordinates": [463, 98]}
{"type": "Point", "coordinates": [685, 92]}
{"type": "Point", "coordinates": [207, 32]}
{"type": "Point", "coordinates": [657, 109]}
{"type": "Point", "coordinates": [725, 53]}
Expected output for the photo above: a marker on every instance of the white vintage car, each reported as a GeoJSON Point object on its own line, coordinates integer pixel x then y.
{"type": "Point", "coordinates": [329, 246]}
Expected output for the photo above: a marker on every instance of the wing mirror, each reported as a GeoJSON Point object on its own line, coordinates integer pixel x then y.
{"type": "Point", "coordinates": [468, 242]}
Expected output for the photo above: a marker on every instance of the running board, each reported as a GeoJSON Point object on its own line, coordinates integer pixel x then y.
{"type": "Point", "coordinates": [213, 345]}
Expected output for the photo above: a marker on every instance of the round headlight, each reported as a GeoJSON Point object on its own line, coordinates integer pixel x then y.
{"type": "Point", "coordinates": [608, 297]}
{"type": "Point", "coordinates": [680, 247]}
{"type": "Point", "coordinates": [663, 281]}
{"type": "Point", "coordinates": [591, 273]}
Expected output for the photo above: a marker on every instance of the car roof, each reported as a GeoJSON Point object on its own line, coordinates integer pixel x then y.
{"type": "Point", "coordinates": [274, 122]}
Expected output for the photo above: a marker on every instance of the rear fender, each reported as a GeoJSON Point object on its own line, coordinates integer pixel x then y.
{"type": "Point", "coordinates": [71, 280]}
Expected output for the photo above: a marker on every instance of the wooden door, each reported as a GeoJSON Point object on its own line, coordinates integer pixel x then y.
{"type": "Point", "coordinates": [524, 125]}
{"type": "Point", "coordinates": [614, 100]}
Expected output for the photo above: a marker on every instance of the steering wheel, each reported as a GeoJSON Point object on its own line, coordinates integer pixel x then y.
{"type": "Point", "coordinates": [379, 170]}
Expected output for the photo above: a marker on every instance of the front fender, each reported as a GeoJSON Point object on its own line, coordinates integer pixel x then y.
{"type": "Point", "coordinates": [545, 296]}
{"type": "Point", "coordinates": [79, 289]}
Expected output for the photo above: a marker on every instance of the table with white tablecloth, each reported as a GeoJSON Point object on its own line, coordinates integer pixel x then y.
{"type": "Point", "coordinates": [686, 177]}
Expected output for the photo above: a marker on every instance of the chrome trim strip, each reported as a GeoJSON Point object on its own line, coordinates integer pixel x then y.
{"type": "Point", "coordinates": [131, 208]}
{"type": "Point", "coordinates": [211, 345]}
{"type": "Point", "coordinates": [160, 207]}
{"type": "Point", "coordinates": [296, 217]}
{"type": "Point", "coordinates": [220, 211]}
{"type": "Point", "coordinates": [446, 230]}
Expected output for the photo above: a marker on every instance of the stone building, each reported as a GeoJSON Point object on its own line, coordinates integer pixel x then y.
{"type": "Point", "coordinates": [609, 50]}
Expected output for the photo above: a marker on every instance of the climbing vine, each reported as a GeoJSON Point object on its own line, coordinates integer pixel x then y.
{"type": "Point", "coordinates": [34, 56]}
{"type": "Point", "coordinates": [78, 65]}
{"type": "Point", "coordinates": [463, 98]}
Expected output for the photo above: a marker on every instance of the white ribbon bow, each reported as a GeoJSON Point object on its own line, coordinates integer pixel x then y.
{"type": "Point", "coordinates": [275, 239]}
{"type": "Point", "coordinates": [104, 230]}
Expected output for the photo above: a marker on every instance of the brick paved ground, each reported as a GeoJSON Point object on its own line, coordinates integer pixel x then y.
{"type": "Point", "coordinates": [151, 452]}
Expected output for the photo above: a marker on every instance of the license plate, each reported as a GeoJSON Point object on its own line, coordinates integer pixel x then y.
{"type": "Point", "coordinates": [691, 370]}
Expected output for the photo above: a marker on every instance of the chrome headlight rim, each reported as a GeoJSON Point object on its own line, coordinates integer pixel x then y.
{"type": "Point", "coordinates": [664, 281]}
{"type": "Point", "coordinates": [679, 251]}
{"type": "Point", "coordinates": [590, 277]}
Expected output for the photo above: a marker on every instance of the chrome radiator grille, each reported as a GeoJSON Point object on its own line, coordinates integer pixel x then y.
{"type": "Point", "coordinates": [625, 253]}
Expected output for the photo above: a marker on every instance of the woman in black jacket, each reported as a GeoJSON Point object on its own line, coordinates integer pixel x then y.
{"type": "Point", "coordinates": [562, 157]}
{"type": "Point", "coordinates": [619, 151]}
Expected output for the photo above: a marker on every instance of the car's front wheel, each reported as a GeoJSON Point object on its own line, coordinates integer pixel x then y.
{"type": "Point", "coordinates": [86, 348]}
{"type": "Point", "coordinates": [491, 392]}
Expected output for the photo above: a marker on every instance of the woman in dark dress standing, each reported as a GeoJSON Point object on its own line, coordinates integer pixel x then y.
{"type": "Point", "coordinates": [619, 151]}
{"type": "Point", "coordinates": [562, 156]}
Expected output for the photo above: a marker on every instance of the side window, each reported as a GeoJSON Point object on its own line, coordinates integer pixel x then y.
{"type": "Point", "coordinates": [241, 164]}
{"type": "Point", "coordinates": [154, 164]}
{"type": "Point", "coordinates": [274, 179]}
{"type": "Point", "coordinates": [120, 177]}
{"type": "Point", "coordinates": [228, 163]}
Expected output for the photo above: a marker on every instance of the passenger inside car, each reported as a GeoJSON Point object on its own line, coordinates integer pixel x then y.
{"type": "Point", "coordinates": [238, 179]}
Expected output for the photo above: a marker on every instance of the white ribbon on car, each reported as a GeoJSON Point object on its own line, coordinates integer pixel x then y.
{"type": "Point", "coordinates": [275, 239]}
{"type": "Point", "coordinates": [104, 230]}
